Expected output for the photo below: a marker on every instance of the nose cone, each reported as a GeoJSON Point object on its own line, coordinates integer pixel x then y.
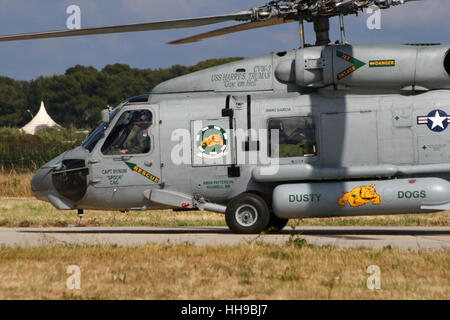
{"type": "Point", "coordinates": [63, 180]}
{"type": "Point", "coordinates": [41, 183]}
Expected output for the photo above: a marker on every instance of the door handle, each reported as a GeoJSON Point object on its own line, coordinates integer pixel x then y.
{"type": "Point", "coordinates": [122, 158]}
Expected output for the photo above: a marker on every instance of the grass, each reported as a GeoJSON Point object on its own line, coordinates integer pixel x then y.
{"type": "Point", "coordinates": [248, 271]}
{"type": "Point", "coordinates": [15, 183]}
{"type": "Point", "coordinates": [30, 212]}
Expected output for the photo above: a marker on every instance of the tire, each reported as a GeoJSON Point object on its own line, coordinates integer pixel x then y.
{"type": "Point", "coordinates": [247, 213]}
{"type": "Point", "coordinates": [276, 224]}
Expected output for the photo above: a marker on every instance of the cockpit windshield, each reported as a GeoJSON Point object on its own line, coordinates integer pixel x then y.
{"type": "Point", "coordinates": [97, 133]}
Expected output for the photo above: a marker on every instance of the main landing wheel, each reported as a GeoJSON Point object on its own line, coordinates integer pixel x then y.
{"type": "Point", "coordinates": [247, 213]}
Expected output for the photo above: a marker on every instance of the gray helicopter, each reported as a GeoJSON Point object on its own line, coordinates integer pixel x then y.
{"type": "Point", "coordinates": [327, 130]}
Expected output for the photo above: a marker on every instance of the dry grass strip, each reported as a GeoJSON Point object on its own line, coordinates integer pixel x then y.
{"type": "Point", "coordinates": [249, 271]}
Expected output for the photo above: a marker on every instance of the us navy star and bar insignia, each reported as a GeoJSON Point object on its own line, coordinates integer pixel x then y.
{"type": "Point", "coordinates": [437, 120]}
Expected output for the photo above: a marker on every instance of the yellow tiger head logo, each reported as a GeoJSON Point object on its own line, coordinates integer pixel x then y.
{"type": "Point", "coordinates": [360, 196]}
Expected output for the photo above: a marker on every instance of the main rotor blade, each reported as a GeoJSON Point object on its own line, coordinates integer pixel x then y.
{"type": "Point", "coordinates": [232, 29]}
{"type": "Point", "coordinates": [147, 26]}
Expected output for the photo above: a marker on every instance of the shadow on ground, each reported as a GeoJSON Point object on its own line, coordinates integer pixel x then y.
{"type": "Point", "coordinates": [323, 231]}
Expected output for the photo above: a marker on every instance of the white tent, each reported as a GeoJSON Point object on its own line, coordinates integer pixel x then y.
{"type": "Point", "coordinates": [41, 120]}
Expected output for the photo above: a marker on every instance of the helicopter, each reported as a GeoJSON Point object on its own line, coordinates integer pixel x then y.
{"type": "Point", "coordinates": [330, 129]}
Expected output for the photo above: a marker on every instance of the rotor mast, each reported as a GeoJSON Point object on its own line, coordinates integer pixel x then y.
{"type": "Point", "coordinates": [322, 30]}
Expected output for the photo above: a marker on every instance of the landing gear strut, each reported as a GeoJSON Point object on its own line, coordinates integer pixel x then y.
{"type": "Point", "coordinates": [80, 215]}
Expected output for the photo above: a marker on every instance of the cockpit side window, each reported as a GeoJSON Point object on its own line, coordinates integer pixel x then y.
{"type": "Point", "coordinates": [97, 134]}
{"type": "Point", "coordinates": [130, 135]}
{"type": "Point", "coordinates": [296, 137]}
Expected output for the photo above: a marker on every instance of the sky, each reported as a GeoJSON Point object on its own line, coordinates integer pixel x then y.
{"type": "Point", "coordinates": [423, 21]}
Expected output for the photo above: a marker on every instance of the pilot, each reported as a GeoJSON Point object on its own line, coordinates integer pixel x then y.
{"type": "Point", "coordinates": [138, 140]}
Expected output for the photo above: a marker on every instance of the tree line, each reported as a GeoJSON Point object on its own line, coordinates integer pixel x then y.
{"type": "Point", "coordinates": [77, 97]}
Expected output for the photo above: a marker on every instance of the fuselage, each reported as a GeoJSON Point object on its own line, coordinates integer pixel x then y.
{"type": "Point", "coordinates": [310, 143]}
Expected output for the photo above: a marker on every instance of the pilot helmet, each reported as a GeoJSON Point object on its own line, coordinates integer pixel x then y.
{"type": "Point", "coordinates": [142, 116]}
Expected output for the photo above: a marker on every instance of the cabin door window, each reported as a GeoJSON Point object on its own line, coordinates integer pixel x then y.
{"type": "Point", "coordinates": [292, 137]}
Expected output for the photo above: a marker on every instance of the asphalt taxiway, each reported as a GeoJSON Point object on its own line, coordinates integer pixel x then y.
{"type": "Point", "coordinates": [348, 237]}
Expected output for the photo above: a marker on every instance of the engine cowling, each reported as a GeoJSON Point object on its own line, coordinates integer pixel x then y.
{"type": "Point", "coordinates": [369, 66]}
